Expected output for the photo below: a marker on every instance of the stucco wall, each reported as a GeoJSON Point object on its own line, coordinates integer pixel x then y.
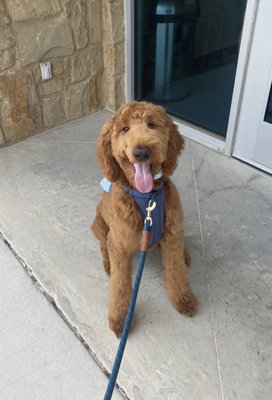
{"type": "Point", "coordinates": [84, 39]}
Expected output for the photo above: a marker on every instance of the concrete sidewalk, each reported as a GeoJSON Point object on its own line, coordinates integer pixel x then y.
{"type": "Point", "coordinates": [49, 191]}
{"type": "Point", "coordinates": [41, 358]}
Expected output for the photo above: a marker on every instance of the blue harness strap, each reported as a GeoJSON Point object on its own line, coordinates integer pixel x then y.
{"type": "Point", "coordinates": [142, 200]}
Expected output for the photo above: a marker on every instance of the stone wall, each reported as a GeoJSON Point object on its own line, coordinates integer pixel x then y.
{"type": "Point", "coordinates": [84, 40]}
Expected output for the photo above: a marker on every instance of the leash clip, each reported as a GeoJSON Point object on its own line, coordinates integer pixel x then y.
{"type": "Point", "coordinates": [151, 206]}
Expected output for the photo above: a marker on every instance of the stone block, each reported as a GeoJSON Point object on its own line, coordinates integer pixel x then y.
{"type": "Point", "coordinates": [113, 21]}
{"type": "Point", "coordinates": [114, 58]}
{"type": "Point", "coordinates": [51, 86]}
{"type": "Point", "coordinates": [4, 20]}
{"type": "Point", "coordinates": [119, 91]}
{"type": "Point", "coordinates": [114, 92]}
{"type": "Point", "coordinates": [6, 39]}
{"type": "Point", "coordinates": [39, 41]}
{"type": "Point", "coordinates": [78, 23]}
{"type": "Point", "coordinates": [92, 96]}
{"type": "Point", "coordinates": [77, 99]}
{"type": "Point", "coordinates": [94, 21]}
{"type": "Point", "coordinates": [36, 72]}
{"type": "Point", "coordinates": [53, 110]}
{"type": "Point", "coordinates": [2, 139]}
{"type": "Point", "coordinates": [7, 58]}
{"type": "Point", "coordinates": [94, 99]}
{"type": "Point", "coordinates": [95, 94]}
{"type": "Point", "coordinates": [58, 67]}
{"type": "Point", "coordinates": [117, 20]}
{"type": "Point", "coordinates": [86, 64]}
{"type": "Point", "coordinates": [24, 10]}
{"type": "Point", "coordinates": [66, 6]}
{"type": "Point", "coordinates": [20, 114]}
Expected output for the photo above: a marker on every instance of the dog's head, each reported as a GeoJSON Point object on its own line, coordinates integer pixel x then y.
{"type": "Point", "coordinates": [136, 143]}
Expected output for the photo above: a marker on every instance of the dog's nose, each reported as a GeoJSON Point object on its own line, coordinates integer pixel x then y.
{"type": "Point", "coordinates": [142, 153]}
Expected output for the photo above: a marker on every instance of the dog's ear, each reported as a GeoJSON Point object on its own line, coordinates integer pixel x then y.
{"type": "Point", "coordinates": [104, 152]}
{"type": "Point", "coordinates": [175, 146]}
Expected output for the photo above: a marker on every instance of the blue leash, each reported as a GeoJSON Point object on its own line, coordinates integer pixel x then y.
{"type": "Point", "coordinates": [144, 249]}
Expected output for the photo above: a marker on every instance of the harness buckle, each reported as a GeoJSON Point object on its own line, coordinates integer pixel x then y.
{"type": "Point", "coordinates": [151, 206]}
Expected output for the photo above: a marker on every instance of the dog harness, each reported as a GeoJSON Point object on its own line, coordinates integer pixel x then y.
{"type": "Point", "coordinates": [142, 200]}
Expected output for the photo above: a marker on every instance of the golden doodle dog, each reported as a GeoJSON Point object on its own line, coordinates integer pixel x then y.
{"type": "Point", "coordinates": [137, 150]}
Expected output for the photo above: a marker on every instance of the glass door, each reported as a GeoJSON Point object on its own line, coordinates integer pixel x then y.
{"type": "Point", "coordinates": [253, 142]}
{"type": "Point", "coordinates": [186, 54]}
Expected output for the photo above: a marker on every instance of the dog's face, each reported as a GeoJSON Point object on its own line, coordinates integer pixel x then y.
{"type": "Point", "coordinates": [137, 143]}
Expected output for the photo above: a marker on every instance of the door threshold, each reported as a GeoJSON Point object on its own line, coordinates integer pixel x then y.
{"type": "Point", "coordinates": [253, 163]}
{"type": "Point", "coordinates": [204, 137]}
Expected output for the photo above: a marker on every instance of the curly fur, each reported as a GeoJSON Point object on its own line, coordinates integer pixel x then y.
{"type": "Point", "coordinates": [118, 224]}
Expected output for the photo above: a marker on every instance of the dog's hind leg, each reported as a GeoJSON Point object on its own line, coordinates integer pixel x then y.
{"type": "Point", "coordinates": [105, 256]}
{"type": "Point", "coordinates": [100, 230]}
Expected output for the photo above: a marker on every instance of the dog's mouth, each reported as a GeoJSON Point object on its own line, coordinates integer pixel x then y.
{"type": "Point", "coordinates": [143, 178]}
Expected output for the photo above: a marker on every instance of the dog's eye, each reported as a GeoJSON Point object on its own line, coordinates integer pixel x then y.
{"type": "Point", "coordinates": [125, 129]}
{"type": "Point", "coordinates": [151, 125]}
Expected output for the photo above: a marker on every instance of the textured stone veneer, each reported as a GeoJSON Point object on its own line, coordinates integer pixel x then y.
{"type": "Point", "coordinates": [84, 40]}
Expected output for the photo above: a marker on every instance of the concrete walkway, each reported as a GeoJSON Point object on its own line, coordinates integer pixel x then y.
{"type": "Point", "coordinates": [49, 187]}
{"type": "Point", "coordinates": [41, 358]}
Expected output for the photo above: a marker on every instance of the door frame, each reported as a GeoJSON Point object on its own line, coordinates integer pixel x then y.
{"type": "Point", "coordinates": [236, 150]}
{"type": "Point", "coordinates": [189, 130]}
{"type": "Point", "coordinates": [255, 149]}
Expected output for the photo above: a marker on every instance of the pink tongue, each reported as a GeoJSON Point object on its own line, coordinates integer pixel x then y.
{"type": "Point", "coordinates": [143, 177]}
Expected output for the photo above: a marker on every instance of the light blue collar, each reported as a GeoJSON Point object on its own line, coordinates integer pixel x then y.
{"type": "Point", "coordinates": [106, 184]}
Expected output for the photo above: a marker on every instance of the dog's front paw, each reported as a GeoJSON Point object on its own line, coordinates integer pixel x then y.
{"type": "Point", "coordinates": [116, 324]}
{"type": "Point", "coordinates": [187, 305]}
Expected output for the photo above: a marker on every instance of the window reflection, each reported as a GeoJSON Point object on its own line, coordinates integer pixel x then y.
{"type": "Point", "coordinates": [186, 57]}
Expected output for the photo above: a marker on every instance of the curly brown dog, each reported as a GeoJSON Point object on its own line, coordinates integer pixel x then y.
{"type": "Point", "coordinates": [135, 145]}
